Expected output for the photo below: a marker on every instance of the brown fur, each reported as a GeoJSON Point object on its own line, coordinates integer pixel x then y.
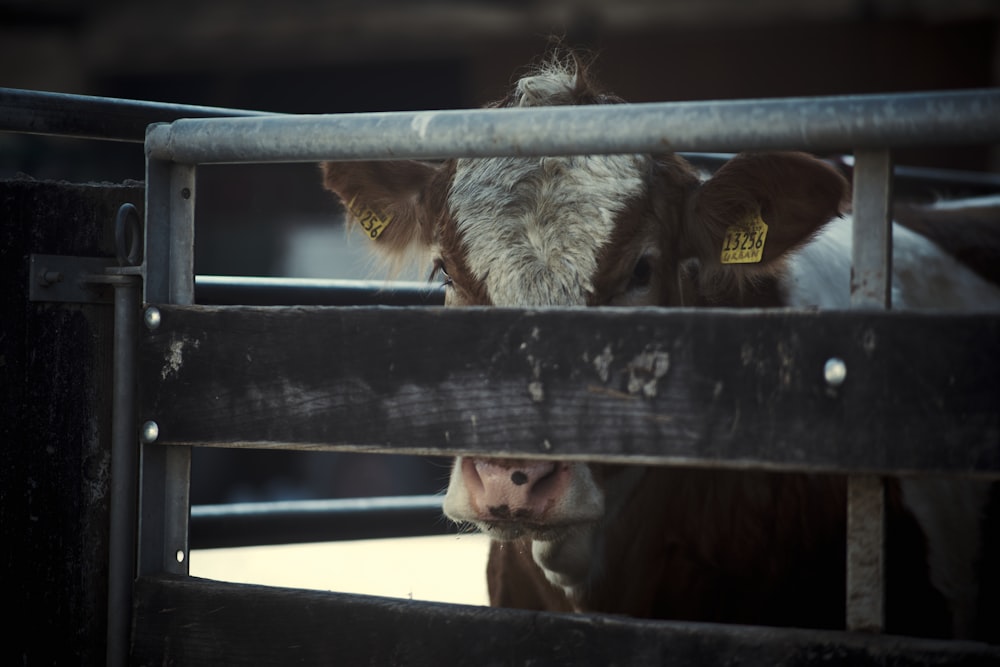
{"type": "Point", "coordinates": [671, 180]}
{"type": "Point", "coordinates": [397, 190]}
{"type": "Point", "coordinates": [514, 581]}
{"type": "Point", "coordinates": [772, 554]}
{"type": "Point", "coordinates": [795, 194]}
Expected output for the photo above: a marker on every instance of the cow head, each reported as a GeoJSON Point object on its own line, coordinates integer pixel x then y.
{"type": "Point", "coordinates": [590, 230]}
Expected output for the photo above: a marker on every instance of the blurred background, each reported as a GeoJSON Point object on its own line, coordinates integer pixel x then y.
{"type": "Point", "coordinates": [307, 56]}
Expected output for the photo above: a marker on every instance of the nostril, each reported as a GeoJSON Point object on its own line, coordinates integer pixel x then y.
{"type": "Point", "coordinates": [500, 511]}
{"type": "Point", "coordinates": [532, 477]}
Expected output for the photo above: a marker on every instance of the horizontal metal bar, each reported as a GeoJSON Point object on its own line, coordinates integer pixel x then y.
{"type": "Point", "coordinates": [913, 178]}
{"type": "Point", "coordinates": [299, 521]}
{"type": "Point", "coordinates": [907, 182]}
{"type": "Point", "coordinates": [253, 291]}
{"type": "Point", "coordinates": [90, 117]}
{"type": "Point", "coordinates": [64, 279]}
{"type": "Point", "coordinates": [817, 123]}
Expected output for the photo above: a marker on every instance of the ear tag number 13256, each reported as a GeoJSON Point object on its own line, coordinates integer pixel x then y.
{"type": "Point", "coordinates": [744, 244]}
{"type": "Point", "coordinates": [370, 221]}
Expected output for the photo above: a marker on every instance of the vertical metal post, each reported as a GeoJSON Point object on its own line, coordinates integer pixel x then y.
{"type": "Point", "coordinates": [865, 553]}
{"type": "Point", "coordinates": [871, 259]}
{"type": "Point", "coordinates": [121, 549]}
{"type": "Point", "coordinates": [169, 233]}
{"type": "Point", "coordinates": [169, 278]}
{"type": "Point", "coordinates": [871, 283]}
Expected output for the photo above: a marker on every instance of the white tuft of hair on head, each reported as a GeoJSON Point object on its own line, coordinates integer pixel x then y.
{"type": "Point", "coordinates": [547, 88]}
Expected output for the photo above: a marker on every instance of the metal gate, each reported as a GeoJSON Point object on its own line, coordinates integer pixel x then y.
{"type": "Point", "coordinates": [236, 376]}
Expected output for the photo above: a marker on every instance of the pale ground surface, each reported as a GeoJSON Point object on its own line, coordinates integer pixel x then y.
{"type": "Point", "coordinates": [440, 568]}
{"type": "Point", "coordinates": [448, 568]}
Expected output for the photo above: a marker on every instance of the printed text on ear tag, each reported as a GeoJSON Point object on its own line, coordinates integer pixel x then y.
{"type": "Point", "coordinates": [370, 221]}
{"type": "Point", "coordinates": [745, 244]}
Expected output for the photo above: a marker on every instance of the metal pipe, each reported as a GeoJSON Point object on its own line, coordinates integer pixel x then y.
{"type": "Point", "coordinates": [871, 283]}
{"type": "Point", "coordinates": [871, 250]}
{"type": "Point", "coordinates": [817, 123]}
{"type": "Point", "coordinates": [252, 291]}
{"type": "Point", "coordinates": [298, 521]}
{"type": "Point", "coordinates": [124, 468]}
{"type": "Point", "coordinates": [181, 198]}
{"type": "Point", "coordinates": [90, 117]}
{"type": "Point", "coordinates": [865, 553]}
{"type": "Point", "coordinates": [168, 272]}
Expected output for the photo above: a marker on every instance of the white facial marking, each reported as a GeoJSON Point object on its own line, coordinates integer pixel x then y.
{"type": "Point", "coordinates": [533, 227]}
{"type": "Point", "coordinates": [575, 558]}
{"type": "Point", "coordinates": [567, 560]}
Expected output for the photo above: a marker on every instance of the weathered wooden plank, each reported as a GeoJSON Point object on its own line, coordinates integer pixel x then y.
{"type": "Point", "coordinates": [730, 387]}
{"type": "Point", "coordinates": [186, 621]}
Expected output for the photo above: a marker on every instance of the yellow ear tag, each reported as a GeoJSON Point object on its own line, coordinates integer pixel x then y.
{"type": "Point", "coordinates": [744, 244]}
{"type": "Point", "coordinates": [370, 221]}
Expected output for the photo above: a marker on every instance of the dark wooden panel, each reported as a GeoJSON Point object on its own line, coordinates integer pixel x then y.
{"type": "Point", "coordinates": [55, 431]}
{"type": "Point", "coordinates": [922, 391]}
{"type": "Point", "coordinates": [182, 621]}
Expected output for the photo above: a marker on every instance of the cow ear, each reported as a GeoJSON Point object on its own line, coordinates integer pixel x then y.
{"type": "Point", "coordinates": [391, 202]}
{"type": "Point", "coordinates": [756, 208]}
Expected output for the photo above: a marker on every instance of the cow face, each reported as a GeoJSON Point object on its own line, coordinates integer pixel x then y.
{"type": "Point", "coordinates": [589, 229]}
{"type": "Point", "coordinates": [580, 230]}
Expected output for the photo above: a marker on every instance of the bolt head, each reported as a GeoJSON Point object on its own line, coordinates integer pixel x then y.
{"type": "Point", "coordinates": [835, 372]}
{"type": "Point", "coordinates": [152, 318]}
{"type": "Point", "coordinates": [150, 432]}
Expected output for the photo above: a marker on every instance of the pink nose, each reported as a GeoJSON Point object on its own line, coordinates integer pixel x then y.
{"type": "Point", "coordinates": [514, 489]}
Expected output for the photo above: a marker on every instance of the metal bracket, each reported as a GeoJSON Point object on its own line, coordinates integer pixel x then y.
{"type": "Point", "coordinates": [69, 279]}
{"type": "Point", "coordinates": [65, 279]}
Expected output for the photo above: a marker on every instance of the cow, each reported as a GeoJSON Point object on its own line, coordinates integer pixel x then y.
{"type": "Point", "coordinates": [756, 547]}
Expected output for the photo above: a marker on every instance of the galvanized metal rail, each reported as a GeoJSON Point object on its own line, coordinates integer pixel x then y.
{"type": "Point", "coordinates": [92, 117]}
{"type": "Point", "coordinates": [254, 291]}
{"type": "Point", "coordinates": [817, 124]}
{"type": "Point", "coordinates": [300, 521]}
{"type": "Point", "coordinates": [871, 283]}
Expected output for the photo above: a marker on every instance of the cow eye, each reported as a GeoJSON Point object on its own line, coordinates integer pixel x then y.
{"type": "Point", "coordinates": [440, 272]}
{"type": "Point", "coordinates": [642, 274]}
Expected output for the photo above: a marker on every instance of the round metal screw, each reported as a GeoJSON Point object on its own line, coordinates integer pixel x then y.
{"type": "Point", "coordinates": [152, 318]}
{"type": "Point", "coordinates": [47, 278]}
{"type": "Point", "coordinates": [150, 432]}
{"type": "Point", "coordinates": [835, 371]}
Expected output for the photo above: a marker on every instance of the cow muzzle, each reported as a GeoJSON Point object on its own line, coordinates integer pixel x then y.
{"type": "Point", "coordinates": [510, 498]}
